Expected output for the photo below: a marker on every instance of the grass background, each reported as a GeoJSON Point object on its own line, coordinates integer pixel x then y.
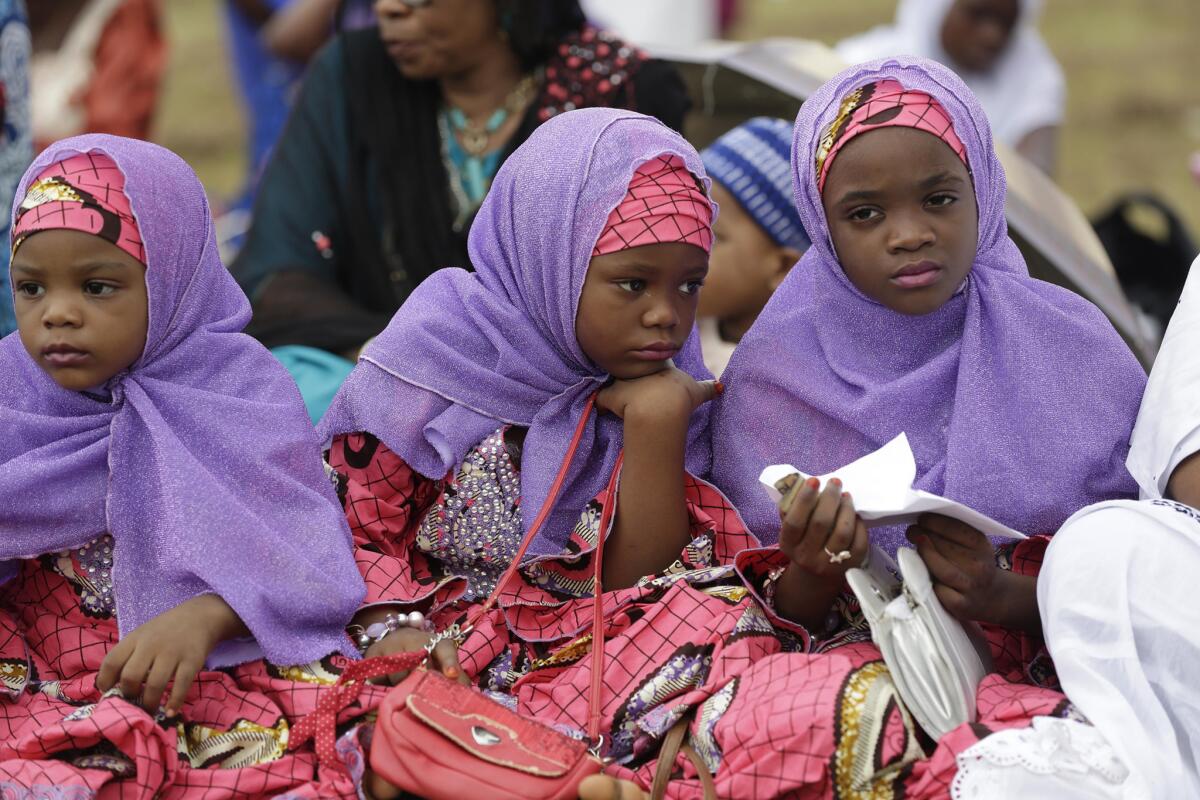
{"type": "Point", "coordinates": [1133, 115]}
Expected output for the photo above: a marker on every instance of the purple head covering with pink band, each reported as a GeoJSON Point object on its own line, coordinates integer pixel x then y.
{"type": "Point", "coordinates": [83, 193]}
{"type": "Point", "coordinates": [470, 351]}
{"type": "Point", "coordinates": [1017, 396]}
{"type": "Point", "coordinates": [199, 459]}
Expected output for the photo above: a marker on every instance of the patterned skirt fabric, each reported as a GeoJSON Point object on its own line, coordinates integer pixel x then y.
{"type": "Point", "coordinates": [774, 710]}
{"type": "Point", "coordinates": [59, 738]}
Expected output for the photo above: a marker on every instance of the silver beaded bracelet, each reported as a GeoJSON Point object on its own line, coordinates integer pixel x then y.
{"type": "Point", "coordinates": [365, 637]}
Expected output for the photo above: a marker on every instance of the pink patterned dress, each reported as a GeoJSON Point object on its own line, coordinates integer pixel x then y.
{"type": "Point", "coordinates": [777, 710]}
{"type": "Point", "coordinates": [60, 739]}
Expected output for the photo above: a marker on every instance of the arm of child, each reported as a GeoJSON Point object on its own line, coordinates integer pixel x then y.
{"type": "Point", "coordinates": [170, 647]}
{"type": "Point", "coordinates": [1184, 484]}
{"type": "Point", "coordinates": [815, 525]}
{"type": "Point", "coordinates": [651, 526]}
{"type": "Point", "coordinates": [967, 580]}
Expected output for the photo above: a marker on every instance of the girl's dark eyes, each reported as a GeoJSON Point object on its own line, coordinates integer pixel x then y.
{"type": "Point", "coordinates": [691, 287]}
{"type": "Point", "coordinates": [30, 289]}
{"type": "Point", "coordinates": [942, 200]}
{"type": "Point", "coordinates": [98, 289]}
{"type": "Point", "coordinates": [632, 285]}
{"type": "Point", "coordinates": [864, 214]}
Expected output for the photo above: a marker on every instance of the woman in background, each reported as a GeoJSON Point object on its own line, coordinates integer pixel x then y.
{"type": "Point", "coordinates": [995, 47]}
{"type": "Point", "coordinates": [391, 148]}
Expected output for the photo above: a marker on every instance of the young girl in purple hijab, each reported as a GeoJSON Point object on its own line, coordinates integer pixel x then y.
{"type": "Point", "coordinates": [588, 253]}
{"type": "Point", "coordinates": [166, 523]}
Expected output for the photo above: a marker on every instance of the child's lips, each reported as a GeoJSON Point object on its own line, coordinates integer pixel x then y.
{"type": "Point", "coordinates": [916, 276]}
{"type": "Point", "coordinates": [656, 352]}
{"type": "Point", "coordinates": [58, 355]}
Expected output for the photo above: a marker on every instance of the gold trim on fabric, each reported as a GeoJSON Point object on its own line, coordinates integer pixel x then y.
{"type": "Point", "coordinates": [734, 594]}
{"type": "Point", "coordinates": [50, 190]}
{"type": "Point", "coordinates": [862, 717]}
{"type": "Point", "coordinates": [244, 745]}
{"type": "Point", "coordinates": [849, 104]}
{"type": "Point", "coordinates": [567, 654]}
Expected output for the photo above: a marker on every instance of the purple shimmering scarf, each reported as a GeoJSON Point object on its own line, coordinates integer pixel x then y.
{"type": "Point", "coordinates": [199, 459]}
{"type": "Point", "coordinates": [468, 352]}
{"type": "Point", "coordinates": [1017, 396]}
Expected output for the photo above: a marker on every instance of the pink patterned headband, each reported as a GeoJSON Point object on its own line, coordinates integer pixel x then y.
{"type": "Point", "coordinates": [884, 104]}
{"type": "Point", "coordinates": [664, 204]}
{"type": "Point", "coordinates": [82, 193]}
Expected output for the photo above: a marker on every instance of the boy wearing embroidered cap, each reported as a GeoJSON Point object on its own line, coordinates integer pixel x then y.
{"type": "Point", "coordinates": [758, 235]}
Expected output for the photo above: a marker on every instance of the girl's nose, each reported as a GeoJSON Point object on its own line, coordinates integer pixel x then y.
{"type": "Point", "coordinates": [61, 314]}
{"type": "Point", "coordinates": [662, 313]}
{"type": "Point", "coordinates": [389, 9]}
{"type": "Point", "coordinates": [908, 234]}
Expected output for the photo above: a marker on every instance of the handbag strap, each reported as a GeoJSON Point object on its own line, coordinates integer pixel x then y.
{"type": "Point", "coordinates": [320, 724]}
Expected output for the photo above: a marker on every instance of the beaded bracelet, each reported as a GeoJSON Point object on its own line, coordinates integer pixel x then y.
{"type": "Point", "coordinates": [365, 637]}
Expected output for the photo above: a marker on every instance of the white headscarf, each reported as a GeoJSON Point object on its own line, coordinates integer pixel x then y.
{"type": "Point", "coordinates": [1022, 92]}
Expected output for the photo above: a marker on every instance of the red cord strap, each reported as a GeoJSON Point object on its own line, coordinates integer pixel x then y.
{"type": "Point", "coordinates": [321, 724]}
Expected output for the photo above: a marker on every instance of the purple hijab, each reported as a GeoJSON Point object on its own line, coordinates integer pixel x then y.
{"type": "Point", "coordinates": [1017, 396]}
{"type": "Point", "coordinates": [199, 459]}
{"type": "Point", "coordinates": [470, 351]}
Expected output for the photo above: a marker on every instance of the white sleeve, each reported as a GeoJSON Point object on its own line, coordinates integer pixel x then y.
{"type": "Point", "coordinates": [1168, 425]}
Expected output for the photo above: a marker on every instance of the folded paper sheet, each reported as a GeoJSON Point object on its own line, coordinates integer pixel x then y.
{"type": "Point", "coordinates": [881, 483]}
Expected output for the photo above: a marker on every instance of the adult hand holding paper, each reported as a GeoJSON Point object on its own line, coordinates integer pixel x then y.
{"type": "Point", "coordinates": [881, 483]}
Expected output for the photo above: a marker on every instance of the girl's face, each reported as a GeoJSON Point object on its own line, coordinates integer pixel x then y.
{"type": "Point", "coordinates": [82, 308]}
{"type": "Point", "coordinates": [975, 33]}
{"type": "Point", "coordinates": [903, 219]}
{"type": "Point", "coordinates": [638, 306]}
{"type": "Point", "coordinates": [746, 264]}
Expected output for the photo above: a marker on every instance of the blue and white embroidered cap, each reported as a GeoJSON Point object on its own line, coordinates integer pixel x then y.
{"type": "Point", "coordinates": [753, 162]}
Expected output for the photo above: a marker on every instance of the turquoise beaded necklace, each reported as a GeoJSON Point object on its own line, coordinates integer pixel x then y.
{"type": "Point", "coordinates": [464, 148]}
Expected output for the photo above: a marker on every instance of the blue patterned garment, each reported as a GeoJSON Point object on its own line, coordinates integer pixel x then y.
{"type": "Point", "coordinates": [16, 148]}
{"type": "Point", "coordinates": [753, 162]}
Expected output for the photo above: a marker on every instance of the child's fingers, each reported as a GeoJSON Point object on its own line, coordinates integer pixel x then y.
{"type": "Point", "coordinates": [134, 674]}
{"type": "Point", "coordinates": [708, 390]}
{"type": "Point", "coordinates": [445, 658]}
{"type": "Point", "coordinates": [185, 676]}
{"type": "Point", "coordinates": [950, 529]}
{"type": "Point", "coordinates": [795, 519]}
{"type": "Point", "coordinates": [942, 569]}
{"type": "Point", "coordinates": [821, 523]}
{"type": "Point", "coordinates": [953, 601]}
{"type": "Point", "coordinates": [861, 543]}
{"type": "Point", "coordinates": [113, 664]}
{"type": "Point", "coordinates": [841, 537]}
{"type": "Point", "coordinates": [156, 682]}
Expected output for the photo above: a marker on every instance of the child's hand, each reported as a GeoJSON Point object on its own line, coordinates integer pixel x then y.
{"type": "Point", "coordinates": [172, 647]}
{"type": "Point", "coordinates": [670, 393]}
{"type": "Point", "coordinates": [444, 657]}
{"type": "Point", "coordinates": [966, 578]}
{"type": "Point", "coordinates": [821, 532]}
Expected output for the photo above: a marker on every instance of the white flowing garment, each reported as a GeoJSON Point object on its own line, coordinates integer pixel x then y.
{"type": "Point", "coordinates": [1117, 591]}
{"type": "Point", "coordinates": [1024, 91]}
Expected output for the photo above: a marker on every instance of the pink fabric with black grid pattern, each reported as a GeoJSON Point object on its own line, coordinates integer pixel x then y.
{"type": "Point", "coordinates": [776, 713]}
{"type": "Point", "coordinates": [664, 204]}
{"type": "Point", "coordinates": [885, 104]}
{"type": "Point", "coordinates": [82, 193]}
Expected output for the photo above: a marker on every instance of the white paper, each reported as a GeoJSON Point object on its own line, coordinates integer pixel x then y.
{"type": "Point", "coordinates": [881, 483]}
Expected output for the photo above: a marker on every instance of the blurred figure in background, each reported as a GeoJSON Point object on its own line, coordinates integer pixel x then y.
{"type": "Point", "coordinates": [758, 235]}
{"type": "Point", "coordinates": [265, 83]}
{"type": "Point", "coordinates": [996, 49]}
{"type": "Point", "coordinates": [15, 134]}
{"type": "Point", "coordinates": [97, 67]}
{"type": "Point", "coordinates": [395, 137]}
{"type": "Point", "coordinates": [300, 27]}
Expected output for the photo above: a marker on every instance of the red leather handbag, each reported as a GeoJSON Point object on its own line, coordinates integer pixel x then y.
{"type": "Point", "coordinates": [441, 740]}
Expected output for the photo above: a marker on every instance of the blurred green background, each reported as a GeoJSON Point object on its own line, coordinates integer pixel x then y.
{"type": "Point", "coordinates": [1133, 116]}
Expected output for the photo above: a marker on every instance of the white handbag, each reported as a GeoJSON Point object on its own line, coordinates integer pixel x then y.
{"type": "Point", "coordinates": [934, 662]}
